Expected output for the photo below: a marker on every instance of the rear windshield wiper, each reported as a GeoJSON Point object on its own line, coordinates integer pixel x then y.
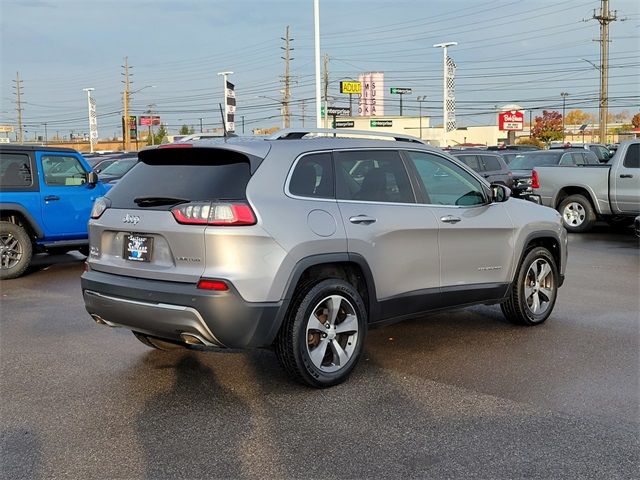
{"type": "Point", "coordinates": [156, 201]}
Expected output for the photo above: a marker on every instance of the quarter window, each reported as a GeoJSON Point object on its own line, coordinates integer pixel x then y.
{"type": "Point", "coordinates": [491, 163]}
{"type": "Point", "coordinates": [15, 170]}
{"type": "Point", "coordinates": [372, 175]}
{"type": "Point", "coordinates": [445, 183]}
{"type": "Point", "coordinates": [471, 161]}
{"type": "Point", "coordinates": [313, 176]}
{"type": "Point", "coordinates": [63, 171]}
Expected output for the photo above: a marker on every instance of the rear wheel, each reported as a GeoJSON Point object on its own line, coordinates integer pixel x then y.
{"type": "Point", "coordinates": [533, 294]}
{"type": "Point", "coordinates": [322, 337]}
{"type": "Point", "coordinates": [15, 250]}
{"type": "Point", "coordinates": [577, 214]}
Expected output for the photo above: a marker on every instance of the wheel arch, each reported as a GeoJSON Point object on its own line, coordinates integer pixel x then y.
{"type": "Point", "coordinates": [547, 239]}
{"type": "Point", "coordinates": [568, 191]}
{"type": "Point", "coordinates": [16, 213]}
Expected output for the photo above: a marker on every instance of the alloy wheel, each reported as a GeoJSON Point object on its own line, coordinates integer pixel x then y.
{"type": "Point", "coordinates": [574, 214]}
{"type": "Point", "coordinates": [539, 287]}
{"type": "Point", "coordinates": [10, 251]}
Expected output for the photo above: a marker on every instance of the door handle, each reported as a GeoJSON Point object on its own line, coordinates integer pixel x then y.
{"type": "Point", "coordinates": [450, 219]}
{"type": "Point", "coordinates": [626, 175]}
{"type": "Point", "coordinates": [50, 198]}
{"type": "Point", "coordinates": [362, 219]}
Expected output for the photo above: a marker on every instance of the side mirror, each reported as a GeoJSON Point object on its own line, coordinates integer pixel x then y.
{"type": "Point", "coordinates": [92, 178]}
{"type": "Point", "coordinates": [500, 193]}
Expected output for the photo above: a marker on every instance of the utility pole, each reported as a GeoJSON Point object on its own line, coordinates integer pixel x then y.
{"type": "Point", "coordinates": [18, 88]}
{"type": "Point", "coordinates": [326, 89]}
{"type": "Point", "coordinates": [303, 107]}
{"type": "Point", "coordinates": [126, 140]}
{"type": "Point", "coordinates": [604, 17]}
{"type": "Point", "coordinates": [564, 96]}
{"type": "Point", "coordinates": [46, 140]}
{"type": "Point", "coordinates": [286, 93]}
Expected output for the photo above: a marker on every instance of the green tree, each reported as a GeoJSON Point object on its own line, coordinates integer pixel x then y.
{"type": "Point", "coordinates": [159, 136]}
{"type": "Point", "coordinates": [184, 130]}
{"type": "Point", "coordinates": [548, 127]}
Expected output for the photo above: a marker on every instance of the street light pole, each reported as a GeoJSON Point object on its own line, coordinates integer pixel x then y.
{"type": "Point", "coordinates": [316, 29]}
{"type": "Point", "coordinates": [445, 77]}
{"type": "Point", "coordinates": [564, 96]}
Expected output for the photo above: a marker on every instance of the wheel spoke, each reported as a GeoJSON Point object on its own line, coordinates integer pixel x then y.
{"type": "Point", "coordinates": [334, 303]}
{"type": "Point", "coordinates": [340, 357]}
{"type": "Point", "coordinates": [318, 353]}
{"type": "Point", "coordinates": [315, 324]}
{"type": "Point", "coordinates": [536, 303]}
{"type": "Point", "coordinates": [547, 293]}
{"type": "Point", "coordinates": [527, 292]}
{"type": "Point", "coordinates": [349, 324]}
{"type": "Point", "coordinates": [544, 271]}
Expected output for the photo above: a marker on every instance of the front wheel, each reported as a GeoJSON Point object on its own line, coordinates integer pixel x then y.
{"type": "Point", "coordinates": [322, 337]}
{"type": "Point", "coordinates": [577, 214]}
{"type": "Point", "coordinates": [534, 291]}
{"type": "Point", "coordinates": [15, 250]}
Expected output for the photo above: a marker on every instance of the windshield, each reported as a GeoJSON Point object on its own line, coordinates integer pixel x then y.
{"type": "Point", "coordinates": [119, 167]}
{"type": "Point", "coordinates": [530, 160]}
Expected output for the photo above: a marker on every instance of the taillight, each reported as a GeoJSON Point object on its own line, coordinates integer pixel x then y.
{"type": "Point", "coordinates": [99, 207]}
{"type": "Point", "coordinates": [535, 182]}
{"type": "Point", "coordinates": [214, 213]}
{"type": "Point", "coordinates": [215, 285]}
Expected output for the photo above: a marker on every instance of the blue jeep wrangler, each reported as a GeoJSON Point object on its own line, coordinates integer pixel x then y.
{"type": "Point", "coordinates": [46, 196]}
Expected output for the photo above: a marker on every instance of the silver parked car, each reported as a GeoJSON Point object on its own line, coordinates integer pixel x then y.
{"type": "Point", "coordinates": [303, 244]}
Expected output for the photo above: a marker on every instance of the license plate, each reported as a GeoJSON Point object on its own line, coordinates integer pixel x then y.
{"type": "Point", "coordinates": [137, 248]}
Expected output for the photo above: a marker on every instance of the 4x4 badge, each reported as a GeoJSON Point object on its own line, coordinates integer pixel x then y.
{"type": "Point", "coordinates": [134, 219]}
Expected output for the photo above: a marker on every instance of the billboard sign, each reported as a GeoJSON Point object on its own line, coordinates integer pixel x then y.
{"type": "Point", "coordinates": [400, 91]}
{"type": "Point", "coordinates": [352, 88]}
{"type": "Point", "coordinates": [380, 123]}
{"type": "Point", "coordinates": [230, 106]}
{"type": "Point", "coordinates": [343, 124]}
{"type": "Point", "coordinates": [149, 120]}
{"type": "Point", "coordinates": [512, 120]}
{"type": "Point", "coordinates": [371, 102]}
{"type": "Point", "coordinates": [133, 127]}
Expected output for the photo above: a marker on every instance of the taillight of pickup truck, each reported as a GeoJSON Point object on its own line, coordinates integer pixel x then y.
{"type": "Point", "coordinates": [535, 182]}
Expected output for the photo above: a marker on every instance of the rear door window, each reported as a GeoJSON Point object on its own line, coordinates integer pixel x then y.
{"type": "Point", "coordinates": [491, 163]}
{"type": "Point", "coordinates": [632, 158]}
{"type": "Point", "coordinates": [373, 176]}
{"type": "Point", "coordinates": [471, 160]}
{"type": "Point", "coordinates": [190, 174]}
{"type": "Point", "coordinates": [15, 170]}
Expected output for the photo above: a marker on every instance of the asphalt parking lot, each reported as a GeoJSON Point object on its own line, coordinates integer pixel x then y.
{"type": "Point", "coordinates": [460, 394]}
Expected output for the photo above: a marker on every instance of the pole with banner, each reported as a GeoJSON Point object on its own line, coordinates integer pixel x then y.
{"type": "Point", "coordinates": [229, 103]}
{"type": "Point", "coordinates": [93, 120]}
{"type": "Point", "coordinates": [448, 94]}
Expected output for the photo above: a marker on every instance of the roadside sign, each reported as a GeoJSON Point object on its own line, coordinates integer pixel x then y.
{"type": "Point", "coordinates": [6, 128]}
{"type": "Point", "coordinates": [380, 123]}
{"type": "Point", "coordinates": [335, 111]}
{"type": "Point", "coordinates": [343, 124]}
{"type": "Point", "coordinates": [513, 120]}
{"type": "Point", "coordinates": [354, 88]}
{"type": "Point", "coordinates": [400, 91]}
{"type": "Point", "coordinates": [148, 120]}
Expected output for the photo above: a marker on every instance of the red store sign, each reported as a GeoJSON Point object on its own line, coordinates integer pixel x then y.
{"type": "Point", "coordinates": [513, 120]}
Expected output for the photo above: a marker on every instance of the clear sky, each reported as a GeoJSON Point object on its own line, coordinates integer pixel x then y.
{"type": "Point", "coordinates": [510, 51]}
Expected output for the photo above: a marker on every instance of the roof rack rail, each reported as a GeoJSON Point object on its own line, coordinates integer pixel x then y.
{"type": "Point", "coordinates": [296, 134]}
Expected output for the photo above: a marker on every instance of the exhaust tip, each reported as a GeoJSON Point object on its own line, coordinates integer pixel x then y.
{"type": "Point", "coordinates": [98, 319]}
{"type": "Point", "coordinates": [191, 339]}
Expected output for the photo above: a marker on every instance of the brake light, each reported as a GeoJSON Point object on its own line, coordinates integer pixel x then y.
{"type": "Point", "coordinates": [215, 285]}
{"type": "Point", "coordinates": [535, 181]}
{"type": "Point", "coordinates": [99, 207]}
{"type": "Point", "coordinates": [214, 213]}
{"type": "Point", "coordinates": [176, 145]}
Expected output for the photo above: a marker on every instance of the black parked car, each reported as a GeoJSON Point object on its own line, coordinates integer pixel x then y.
{"type": "Point", "coordinates": [524, 162]}
{"type": "Point", "coordinates": [488, 164]}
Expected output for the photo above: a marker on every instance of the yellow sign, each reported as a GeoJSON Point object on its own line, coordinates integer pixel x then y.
{"type": "Point", "coordinates": [350, 87]}
{"type": "Point", "coordinates": [6, 128]}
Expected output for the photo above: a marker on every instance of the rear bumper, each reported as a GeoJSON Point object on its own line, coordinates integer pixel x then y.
{"type": "Point", "coordinates": [180, 312]}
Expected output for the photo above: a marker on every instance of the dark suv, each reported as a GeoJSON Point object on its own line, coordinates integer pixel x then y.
{"type": "Point", "coordinates": [490, 165]}
{"type": "Point", "coordinates": [303, 244]}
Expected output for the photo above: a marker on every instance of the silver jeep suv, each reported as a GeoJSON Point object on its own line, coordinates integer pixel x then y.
{"type": "Point", "coordinates": [303, 244]}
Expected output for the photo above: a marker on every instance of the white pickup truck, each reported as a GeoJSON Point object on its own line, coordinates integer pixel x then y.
{"type": "Point", "coordinates": [582, 195]}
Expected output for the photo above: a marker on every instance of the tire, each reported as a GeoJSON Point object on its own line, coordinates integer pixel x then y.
{"type": "Point", "coordinates": [535, 289]}
{"type": "Point", "coordinates": [156, 343]}
{"type": "Point", "coordinates": [577, 214]}
{"type": "Point", "coordinates": [16, 250]}
{"type": "Point", "coordinates": [309, 351]}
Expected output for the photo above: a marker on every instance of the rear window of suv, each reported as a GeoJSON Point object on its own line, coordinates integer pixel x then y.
{"type": "Point", "coordinates": [192, 174]}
